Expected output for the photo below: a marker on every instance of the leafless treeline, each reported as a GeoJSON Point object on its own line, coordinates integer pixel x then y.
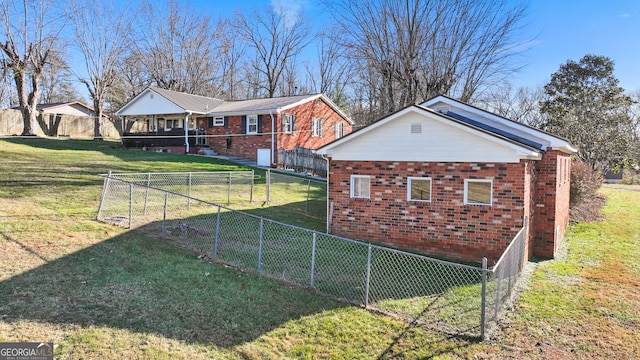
{"type": "Point", "coordinates": [371, 57]}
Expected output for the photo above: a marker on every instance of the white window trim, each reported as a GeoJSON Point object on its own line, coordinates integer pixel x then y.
{"type": "Point", "coordinates": [466, 191]}
{"type": "Point", "coordinates": [410, 179]}
{"type": "Point", "coordinates": [249, 118]}
{"type": "Point", "coordinates": [218, 121]}
{"type": "Point", "coordinates": [173, 121]}
{"type": "Point", "coordinates": [339, 130]}
{"type": "Point", "coordinates": [288, 120]}
{"type": "Point", "coordinates": [316, 127]}
{"type": "Point", "coordinates": [352, 186]}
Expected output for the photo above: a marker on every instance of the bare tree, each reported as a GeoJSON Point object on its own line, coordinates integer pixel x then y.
{"type": "Point", "coordinates": [521, 104]}
{"type": "Point", "coordinates": [332, 73]}
{"type": "Point", "coordinates": [176, 49]}
{"type": "Point", "coordinates": [230, 52]}
{"type": "Point", "coordinates": [102, 45]}
{"type": "Point", "coordinates": [417, 49]}
{"type": "Point", "coordinates": [277, 38]}
{"type": "Point", "coordinates": [30, 37]}
{"type": "Point", "coordinates": [57, 82]}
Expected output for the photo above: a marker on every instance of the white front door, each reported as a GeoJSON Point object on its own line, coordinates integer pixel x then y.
{"type": "Point", "coordinates": [264, 157]}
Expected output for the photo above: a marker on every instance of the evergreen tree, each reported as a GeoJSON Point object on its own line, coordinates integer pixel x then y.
{"type": "Point", "coordinates": [585, 105]}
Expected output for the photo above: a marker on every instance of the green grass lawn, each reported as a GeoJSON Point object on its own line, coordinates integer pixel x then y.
{"type": "Point", "coordinates": [99, 291]}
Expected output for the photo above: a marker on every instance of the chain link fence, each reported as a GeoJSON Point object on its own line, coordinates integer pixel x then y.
{"type": "Point", "coordinates": [457, 299]}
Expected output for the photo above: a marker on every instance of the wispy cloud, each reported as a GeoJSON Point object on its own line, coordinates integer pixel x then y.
{"type": "Point", "coordinates": [624, 16]}
{"type": "Point", "coordinates": [290, 10]}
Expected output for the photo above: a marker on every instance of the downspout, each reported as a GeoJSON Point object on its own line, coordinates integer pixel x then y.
{"type": "Point", "coordinates": [186, 131]}
{"type": "Point", "coordinates": [273, 134]}
{"type": "Point", "coordinates": [329, 205]}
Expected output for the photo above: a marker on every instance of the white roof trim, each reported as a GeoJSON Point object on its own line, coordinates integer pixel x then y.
{"type": "Point", "coordinates": [522, 150]}
{"type": "Point", "coordinates": [556, 142]}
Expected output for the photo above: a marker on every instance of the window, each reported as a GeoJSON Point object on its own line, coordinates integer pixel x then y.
{"type": "Point", "coordinates": [252, 124]}
{"type": "Point", "coordinates": [172, 124]}
{"type": "Point", "coordinates": [419, 189]}
{"type": "Point", "coordinates": [218, 121]}
{"type": "Point", "coordinates": [287, 123]}
{"type": "Point", "coordinates": [339, 130]}
{"type": "Point", "coordinates": [478, 192]}
{"type": "Point", "coordinates": [360, 186]}
{"type": "Point", "coordinates": [316, 127]}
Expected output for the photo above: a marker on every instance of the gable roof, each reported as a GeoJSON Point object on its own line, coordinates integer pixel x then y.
{"type": "Point", "coordinates": [498, 124]}
{"type": "Point", "coordinates": [273, 105]}
{"type": "Point", "coordinates": [170, 102]}
{"type": "Point", "coordinates": [444, 138]}
{"type": "Point", "coordinates": [177, 102]}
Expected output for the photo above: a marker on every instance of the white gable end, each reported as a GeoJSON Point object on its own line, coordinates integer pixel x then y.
{"type": "Point", "coordinates": [150, 103]}
{"type": "Point", "coordinates": [421, 136]}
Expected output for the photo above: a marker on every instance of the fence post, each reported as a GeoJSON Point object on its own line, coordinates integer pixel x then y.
{"type": "Point", "coordinates": [146, 193]}
{"type": "Point", "coordinates": [313, 259]}
{"type": "Point", "coordinates": [484, 298]}
{"type": "Point", "coordinates": [105, 187]}
{"type": "Point", "coordinates": [130, 204]}
{"type": "Point", "coordinates": [260, 246]}
{"type": "Point", "coordinates": [268, 179]}
{"type": "Point", "coordinates": [215, 241]}
{"type": "Point", "coordinates": [164, 214]}
{"type": "Point", "coordinates": [368, 280]}
{"type": "Point", "coordinates": [229, 190]}
{"type": "Point", "coordinates": [189, 193]}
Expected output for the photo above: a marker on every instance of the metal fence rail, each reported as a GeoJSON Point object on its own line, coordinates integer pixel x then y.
{"type": "Point", "coordinates": [446, 296]}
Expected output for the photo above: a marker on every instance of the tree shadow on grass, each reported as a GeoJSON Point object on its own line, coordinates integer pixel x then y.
{"type": "Point", "coordinates": [146, 285]}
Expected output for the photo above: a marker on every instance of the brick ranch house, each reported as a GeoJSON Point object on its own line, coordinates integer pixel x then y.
{"type": "Point", "coordinates": [249, 129]}
{"type": "Point", "coordinates": [450, 180]}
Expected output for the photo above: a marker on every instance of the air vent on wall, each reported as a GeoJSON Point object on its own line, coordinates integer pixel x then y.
{"type": "Point", "coordinates": [416, 128]}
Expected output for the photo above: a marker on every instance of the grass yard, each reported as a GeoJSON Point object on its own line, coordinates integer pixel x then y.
{"type": "Point", "coordinates": [99, 291]}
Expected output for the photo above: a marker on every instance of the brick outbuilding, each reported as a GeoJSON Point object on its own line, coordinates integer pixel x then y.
{"type": "Point", "coordinates": [448, 179]}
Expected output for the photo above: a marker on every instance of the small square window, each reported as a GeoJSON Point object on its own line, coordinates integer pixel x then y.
{"type": "Point", "coordinates": [419, 189]}
{"type": "Point", "coordinates": [478, 192]}
{"type": "Point", "coordinates": [218, 121]}
{"type": "Point", "coordinates": [360, 186]}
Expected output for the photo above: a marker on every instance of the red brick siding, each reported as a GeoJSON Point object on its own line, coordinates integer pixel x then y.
{"type": "Point", "coordinates": [246, 145]}
{"type": "Point", "coordinates": [302, 136]}
{"type": "Point", "coordinates": [443, 227]}
{"type": "Point", "coordinates": [552, 203]}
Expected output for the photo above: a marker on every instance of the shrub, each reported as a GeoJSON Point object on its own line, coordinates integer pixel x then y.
{"type": "Point", "coordinates": [584, 200]}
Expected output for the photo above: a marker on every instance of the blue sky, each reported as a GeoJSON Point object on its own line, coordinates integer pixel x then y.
{"type": "Point", "coordinates": [555, 31]}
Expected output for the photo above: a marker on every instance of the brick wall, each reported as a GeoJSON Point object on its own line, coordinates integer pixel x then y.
{"type": "Point", "coordinates": [551, 203]}
{"type": "Point", "coordinates": [443, 227]}
{"type": "Point", "coordinates": [229, 140]}
{"type": "Point", "coordinates": [302, 135]}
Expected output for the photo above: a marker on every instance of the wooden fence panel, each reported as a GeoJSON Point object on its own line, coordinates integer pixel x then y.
{"type": "Point", "coordinates": [302, 160]}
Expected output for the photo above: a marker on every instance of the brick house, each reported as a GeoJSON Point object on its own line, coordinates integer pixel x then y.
{"type": "Point", "coordinates": [448, 179]}
{"type": "Point", "coordinates": [250, 129]}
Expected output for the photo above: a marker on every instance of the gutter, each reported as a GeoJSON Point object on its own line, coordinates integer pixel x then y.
{"type": "Point", "coordinates": [273, 134]}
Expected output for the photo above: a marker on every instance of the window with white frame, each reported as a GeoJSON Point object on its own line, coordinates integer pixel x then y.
{"type": "Point", "coordinates": [478, 192]}
{"type": "Point", "coordinates": [339, 130]}
{"type": "Point", "coordinates": [218, 121]}
{"type": "Point", "coordinates": [419, 189]}
{"type": "Point", "coordinates": [287, 123]}
{"type": "Point", "coordinates": [172, 124]}
{"type": "Point", "coordinates": [316, 127]}
{"type": "Point", "coordinates": [360, 186]}
{"type": "Point", "coordinates": [252, 124]}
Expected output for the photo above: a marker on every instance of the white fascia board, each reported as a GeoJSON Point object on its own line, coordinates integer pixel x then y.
{"type": "Point", "coordinates": [551, 140]}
